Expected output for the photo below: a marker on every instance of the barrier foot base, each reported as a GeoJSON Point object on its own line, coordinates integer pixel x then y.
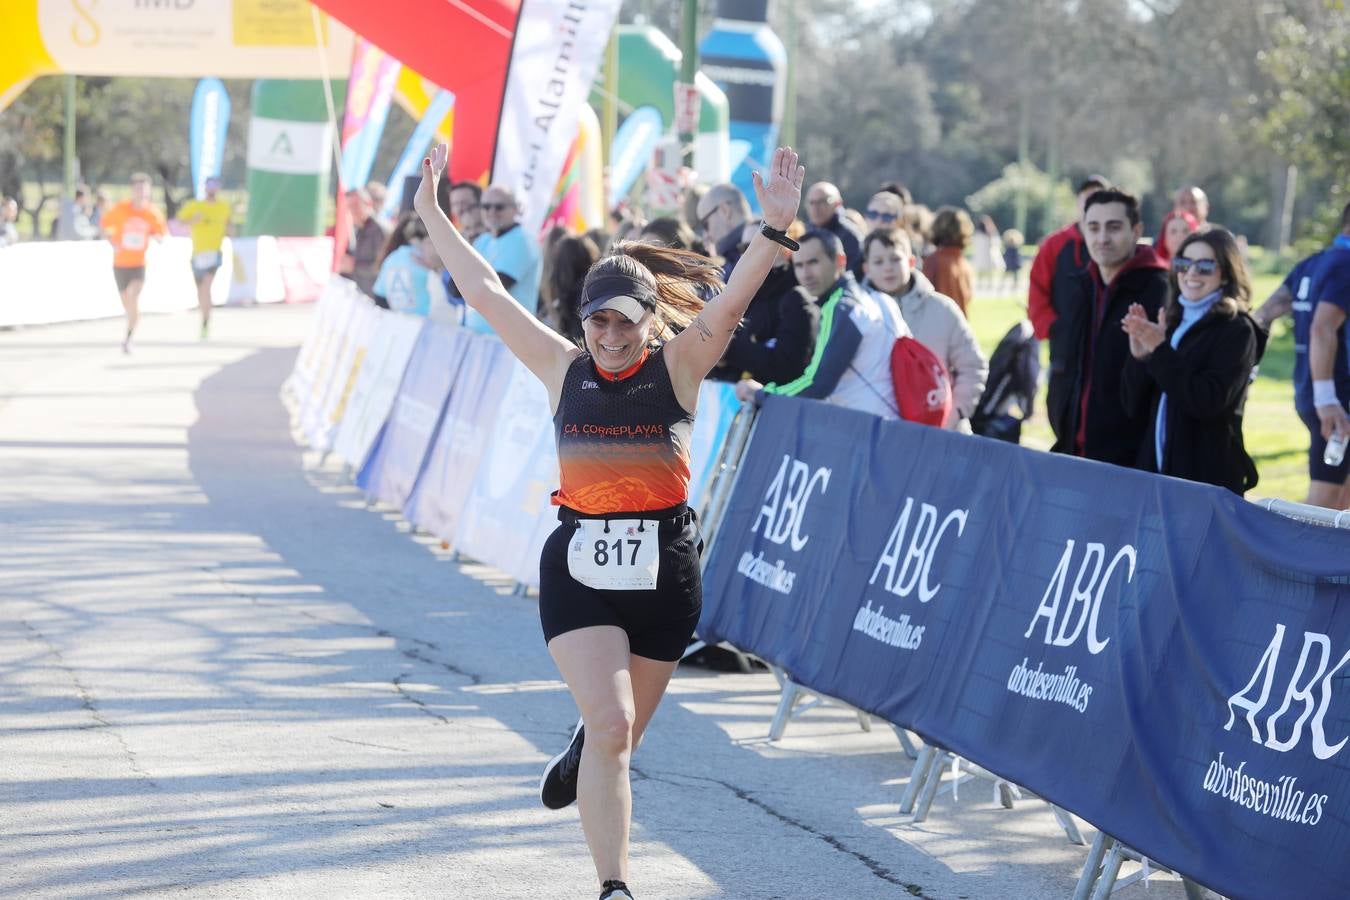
{"type": "Point", "coordinates": [791, 696]}
{"type": "Point", "coordinates": [905, 743]}
{"type": "Point", "coordinates": [1091, 866]}
{"type": "Point", "coordinates": [917, 776]}
{"type": "Point", "coordinates": [1068, 824]}
{"type": "Point", "coordinates": [794, 693]}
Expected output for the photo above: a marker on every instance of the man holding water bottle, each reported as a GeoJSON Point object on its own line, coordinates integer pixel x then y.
{"type": "Point", "coordinates": [1317, 292]}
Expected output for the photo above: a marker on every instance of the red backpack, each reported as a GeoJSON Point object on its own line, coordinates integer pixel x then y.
{"type": "Point", "coordinates": [923, 389]}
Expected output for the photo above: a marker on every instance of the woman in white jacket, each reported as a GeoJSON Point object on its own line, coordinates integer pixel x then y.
{"type": "Point", "coordinates": [935, 320]}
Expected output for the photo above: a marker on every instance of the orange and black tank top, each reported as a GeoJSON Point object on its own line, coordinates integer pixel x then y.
{"type": "Point", "coordinates": [623, 440]}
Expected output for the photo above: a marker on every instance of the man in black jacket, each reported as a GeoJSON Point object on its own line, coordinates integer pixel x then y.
{"type": "Point", "coordinates": [1088, 350]}
{"type": "Point", "coordinates": [778, 334]}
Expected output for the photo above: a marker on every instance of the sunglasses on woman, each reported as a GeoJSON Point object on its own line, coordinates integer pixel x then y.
{"type": "Point", "coordinates": [880, 216]}
{"type": "Point", "coordinates": [1183, 264]}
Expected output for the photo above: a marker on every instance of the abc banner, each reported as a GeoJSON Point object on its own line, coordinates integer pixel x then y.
{"type": "Point", "coordinates": [1162, 658]}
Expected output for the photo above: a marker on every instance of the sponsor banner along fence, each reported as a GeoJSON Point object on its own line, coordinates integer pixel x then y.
{"type": "Point", "coordinates": [1162, 658]}
{"type": "Point", "coordinates": [376, 386]}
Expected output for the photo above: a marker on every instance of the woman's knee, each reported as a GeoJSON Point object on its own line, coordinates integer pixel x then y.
{"type": "Point", "coordinates": [610, 732]}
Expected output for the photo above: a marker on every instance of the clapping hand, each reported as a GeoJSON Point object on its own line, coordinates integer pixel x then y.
{"type": "Point", "coordinates": [779, 191]}
{"type": "Point", "coordinates": [1145, 336]}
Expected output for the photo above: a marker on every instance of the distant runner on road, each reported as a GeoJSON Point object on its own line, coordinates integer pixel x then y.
{"type": "Point", "coordinates": [209, 219]}
{"type": "Point", "coordinates": [129, 226]}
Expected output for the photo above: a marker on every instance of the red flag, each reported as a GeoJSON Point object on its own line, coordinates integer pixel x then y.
{"type": "Point", "coordinates": [462, 45]}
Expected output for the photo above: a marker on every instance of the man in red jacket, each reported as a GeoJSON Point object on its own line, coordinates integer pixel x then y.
{"type": "Point", "coordinates": [1060, 256]}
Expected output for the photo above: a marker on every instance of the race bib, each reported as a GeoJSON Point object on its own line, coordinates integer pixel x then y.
{"type": "Point", "coordinates": [206, 259]}
{"type": "Point", "coordinates": [133, 238]}
{"type": "Point", "coordinates": [624, 557]}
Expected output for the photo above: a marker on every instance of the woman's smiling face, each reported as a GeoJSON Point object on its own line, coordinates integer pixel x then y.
{"type": "Point", "coordinates": [1193, 282]}
{"type": "Point", "coordinates": [615, 342]}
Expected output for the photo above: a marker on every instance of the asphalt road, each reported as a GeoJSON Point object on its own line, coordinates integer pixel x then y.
{"type": "Point", "coordinates": [222, 676]}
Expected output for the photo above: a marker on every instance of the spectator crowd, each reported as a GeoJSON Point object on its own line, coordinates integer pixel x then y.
{"type": "Point", "coordinates": [1152, 343]}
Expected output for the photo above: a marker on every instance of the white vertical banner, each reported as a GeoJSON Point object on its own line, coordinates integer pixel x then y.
{"type": "Point", "coordinates": [558, 47]}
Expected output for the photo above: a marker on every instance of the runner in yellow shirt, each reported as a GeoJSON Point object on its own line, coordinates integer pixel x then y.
{"type": "Point", "coordinates": [129, 226]}
{"type": "Point", "coordinates": [209, 219]}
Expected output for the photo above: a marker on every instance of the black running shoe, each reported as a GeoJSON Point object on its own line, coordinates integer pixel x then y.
{"type": "Point", "coordinates": [614, 889]}
{"type": "Point", "coordinates": [558, 786]}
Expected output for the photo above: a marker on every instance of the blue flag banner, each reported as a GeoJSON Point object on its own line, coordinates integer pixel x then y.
{"type": "Point", "coordinates": [410, 162]}
{"type": "Point", "coordinates": [632, 149]}
{"type": "Point", "coordinates": [396, 460]}
{"type": "Point", "coordinates": [208, 122]}
{"type": "Point", "coordinates": [1162, 658]}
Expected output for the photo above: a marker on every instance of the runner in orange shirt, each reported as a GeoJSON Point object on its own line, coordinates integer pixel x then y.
{"type": "Point", "coordinates": [129, 226]}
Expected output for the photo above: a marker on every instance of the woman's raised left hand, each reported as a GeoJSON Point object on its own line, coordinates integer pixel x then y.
{"type": "Point", "coordinates": [779, 190]}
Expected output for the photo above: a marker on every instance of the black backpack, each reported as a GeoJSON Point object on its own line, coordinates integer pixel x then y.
{"type": "Point", "coordinates": [1014, 373]}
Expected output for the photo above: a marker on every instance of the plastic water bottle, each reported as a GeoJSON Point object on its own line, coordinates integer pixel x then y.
{"type": "Point", "coordinates": [1335, 451]}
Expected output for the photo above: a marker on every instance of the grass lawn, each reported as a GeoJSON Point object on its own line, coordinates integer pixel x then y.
{"type": "Point", "coordinates": [1275, 437]}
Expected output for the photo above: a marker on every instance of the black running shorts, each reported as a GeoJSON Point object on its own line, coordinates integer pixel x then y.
{"type": "Point", "coordinates": [660, 622]}
{"type": "Point", "coordinates": [125, 276]}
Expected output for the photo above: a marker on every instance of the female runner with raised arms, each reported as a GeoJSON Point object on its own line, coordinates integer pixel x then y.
{"type": "Point", "coordinates": [619, 582]}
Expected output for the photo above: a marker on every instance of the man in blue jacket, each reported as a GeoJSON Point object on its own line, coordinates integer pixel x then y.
{"type": "Point", "coordinates": [1317, 294]}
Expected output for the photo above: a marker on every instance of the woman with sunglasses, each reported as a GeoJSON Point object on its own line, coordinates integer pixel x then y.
{"type": "Point", "coordinates": [1191, 367]}
{"type": "Point", "coordinates": [619, 582]}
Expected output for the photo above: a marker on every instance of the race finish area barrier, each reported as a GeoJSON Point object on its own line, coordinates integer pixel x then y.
{"type": "Point", "coordinates": [1161, 658]}
{"type": "Point", "coordinates": [47, 282]}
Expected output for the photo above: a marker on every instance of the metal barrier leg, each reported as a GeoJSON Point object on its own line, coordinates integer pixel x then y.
{"type": "Point", "coordinates": [1068, 824]}
{"type": "Point", "coordinates": [1110, 870]}
{"type": "Point", "coordinates": [917, 775]}
{"type": "Point", "coordinates": [792, 694]}
{"type": "Point", "coordinates": [1091, 867]}
{"type": "Point", "coordinates": [931, 785]}
{"type": "Point", "coordinates": [1193, 890]}
{"type": "Point", "coordinates": [905, 743]}
{"type": "Point", "coordinates": [1006, 794]}
{"type": "Point", "coordinates": [865, 720]}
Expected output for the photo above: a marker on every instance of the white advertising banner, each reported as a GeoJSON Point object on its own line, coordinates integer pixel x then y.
{"type": "Point", "coordinates": [396, 461]}
{"type": "Point", "coordinates": [337, 294]}
{"type": "Point", "coordinates": [376, 385]}
{"type": "Point", "coordinates": [46, 282]}
{"type": "Point", "coordinates": [346, 365]}
{"type": "Point", "coordinates": [180, 38]}
{"type": "Point", "coordinates": [475, 399]}
{"type": "Point", "coordinates": [510, 494]}
{"type": "Point", "coordinates": [556, 53]}
{"type": "Point", "coordinates": [329, 348]}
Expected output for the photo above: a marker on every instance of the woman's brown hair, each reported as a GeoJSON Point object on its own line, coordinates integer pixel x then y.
{"type": "Point", "coordinates": [1235, 283]}
{"type": "Point", "coordinates": [681, 279]}
{"type": "Point", "coordinates": [951, 228]}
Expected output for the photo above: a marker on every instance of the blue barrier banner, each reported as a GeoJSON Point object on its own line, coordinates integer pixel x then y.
{"type": "Point", "coordinates": [1162, 658]}
{"type": "Point", "coordinates": [395, 462]}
